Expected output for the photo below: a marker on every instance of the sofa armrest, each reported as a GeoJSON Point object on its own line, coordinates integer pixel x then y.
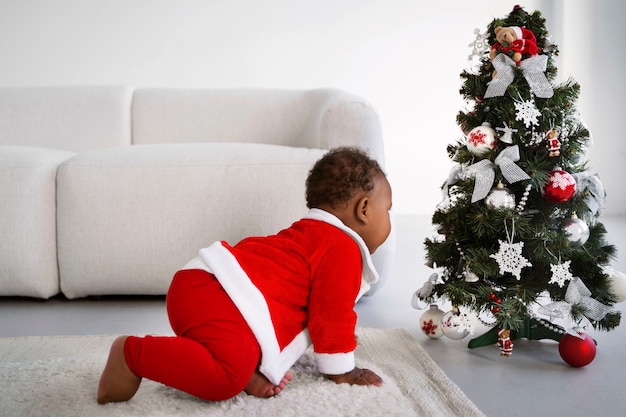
{"type": "Point", "coordinates": [28, 241]}
{"type": "Point", "coordinates": [349, 120]}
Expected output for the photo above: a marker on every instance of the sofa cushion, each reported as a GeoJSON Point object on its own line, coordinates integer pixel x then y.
{"type": "Point", "coordinates": [28, 251]}
{"type": "Point", "coordinates": [68, 118]}
{"type": "Point", "coordinates": [130, 217]}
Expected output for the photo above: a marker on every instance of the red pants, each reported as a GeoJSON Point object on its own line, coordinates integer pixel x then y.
{"type": "Point", "coordinates": [214, 352]}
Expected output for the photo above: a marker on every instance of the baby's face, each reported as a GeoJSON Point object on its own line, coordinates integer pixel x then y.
{"type": "Point", "coordinates": [379, 227]}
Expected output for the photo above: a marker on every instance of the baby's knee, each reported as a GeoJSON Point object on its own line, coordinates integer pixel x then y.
{"type": "Point", "coordinates": [224, 387]}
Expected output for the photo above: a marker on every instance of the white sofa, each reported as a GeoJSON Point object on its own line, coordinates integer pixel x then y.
{"type": "Point", "coordinates": [110, 190]}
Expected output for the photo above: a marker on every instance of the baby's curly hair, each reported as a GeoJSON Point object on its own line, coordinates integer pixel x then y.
{"type": "Point", "coordinates": [340, 175]}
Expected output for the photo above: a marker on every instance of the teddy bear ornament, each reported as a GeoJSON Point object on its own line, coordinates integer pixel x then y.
{"type": "Point", "coordinates": [517, 46]}
{"type": "Point", "coordinates": [514, 41]}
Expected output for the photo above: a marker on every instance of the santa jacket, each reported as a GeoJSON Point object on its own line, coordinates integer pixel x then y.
{"type": "Point", "coordinates": [296, 288]}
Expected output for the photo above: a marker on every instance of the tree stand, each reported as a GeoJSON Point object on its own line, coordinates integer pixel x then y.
{"type": "Point", "coordinates": [532, 329]}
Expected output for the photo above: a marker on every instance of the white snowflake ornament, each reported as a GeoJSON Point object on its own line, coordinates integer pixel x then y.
{"type": "Point", "coordinates": [480, 46]}
{"type": "Point", "coordinates": [527, 112]}
{"type": "Point", "coordinates": [510, 259]}
{"type": "Point", "coordinates": [561, 273]}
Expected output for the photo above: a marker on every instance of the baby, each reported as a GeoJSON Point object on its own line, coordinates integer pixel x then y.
{"type": "Point", "coordinates": [244, 314]}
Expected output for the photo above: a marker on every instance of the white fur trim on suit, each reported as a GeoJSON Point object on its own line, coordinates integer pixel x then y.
{"type": "Point", "coordinates": [335, 363]}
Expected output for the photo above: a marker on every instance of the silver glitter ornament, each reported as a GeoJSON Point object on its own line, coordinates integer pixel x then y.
{"type": "Point", "coordinates": [470, 276]}
{"type": "Point", "coordinates": [576, 230]}
{"type": "Point", "coordinates": [500, 197]}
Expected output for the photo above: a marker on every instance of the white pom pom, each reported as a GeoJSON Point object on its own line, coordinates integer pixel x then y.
{"type": "Point", "coordinates": [618, 283]}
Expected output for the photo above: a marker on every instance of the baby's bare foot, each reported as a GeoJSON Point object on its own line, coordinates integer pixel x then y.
{"type": "Point", "coordinates": [260, 386]}
{"type": "Point", "coordinates": [117, 382]}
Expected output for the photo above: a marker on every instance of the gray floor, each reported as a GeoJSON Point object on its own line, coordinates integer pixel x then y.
{"type": "Point", "coordinates": [534, 381]}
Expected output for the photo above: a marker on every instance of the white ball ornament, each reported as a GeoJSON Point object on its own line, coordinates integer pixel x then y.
{"type": "Point", "coordinates": [500, 197]}
{"type": "Point", "coordinates": [451, 327]}
{"type": "Point", "coordinates": [576, 230]}
{"type": "Point", "coordinates": [430, 322]}
{"type": "Point", "coordinates": [481, 139]}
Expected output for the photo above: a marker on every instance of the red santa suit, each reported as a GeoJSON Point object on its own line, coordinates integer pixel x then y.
{"type": "Point", "coordinates": [293, 289]}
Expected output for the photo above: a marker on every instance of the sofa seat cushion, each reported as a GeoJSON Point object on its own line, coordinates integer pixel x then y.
{"type": "Point", "coordinates": [28, 250]}
{"type": "Point", "coordinates": [130, 217]}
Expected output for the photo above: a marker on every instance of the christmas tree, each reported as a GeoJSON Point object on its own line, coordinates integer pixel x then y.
{"type": "Point", "coordinates": [519, 243]}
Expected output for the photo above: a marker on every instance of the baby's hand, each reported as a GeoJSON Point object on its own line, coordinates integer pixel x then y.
{"type": "Point", "coordinates": [357, 376]}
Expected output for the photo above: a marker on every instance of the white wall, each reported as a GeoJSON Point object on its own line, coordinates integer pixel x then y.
{"type": "Point", "coordinates": [593, 52]}
{"type": "Point", "coordinates": [402, 56]}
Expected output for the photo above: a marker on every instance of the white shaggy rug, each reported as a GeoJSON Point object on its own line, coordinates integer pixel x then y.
{"type": "Point", "coordinates": [58, 376]}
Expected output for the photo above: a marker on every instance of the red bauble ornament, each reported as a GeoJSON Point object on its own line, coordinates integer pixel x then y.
{"type": "Point", "coordinates": [560, 187]}
{"type": "Point", "coordinates": [577, 352]}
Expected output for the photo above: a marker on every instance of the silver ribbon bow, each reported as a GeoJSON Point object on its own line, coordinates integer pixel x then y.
{"type": "Point", "coordinates": [591, 184]}
{"type": "Point", "coordinates": [577, 293]}
{"type": "Point", "coordinates": [483, 170]}
{"type": "Point", "coordinates": [429, 286]}
{"type": "Point", "coordinates": [424, 293]}
{"type": "Point", "coordinates": [533, 69]}
{"type": "Point", "coordinates": [503, 78]}
{"type": "Point", "coordinates": [456, 172]}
